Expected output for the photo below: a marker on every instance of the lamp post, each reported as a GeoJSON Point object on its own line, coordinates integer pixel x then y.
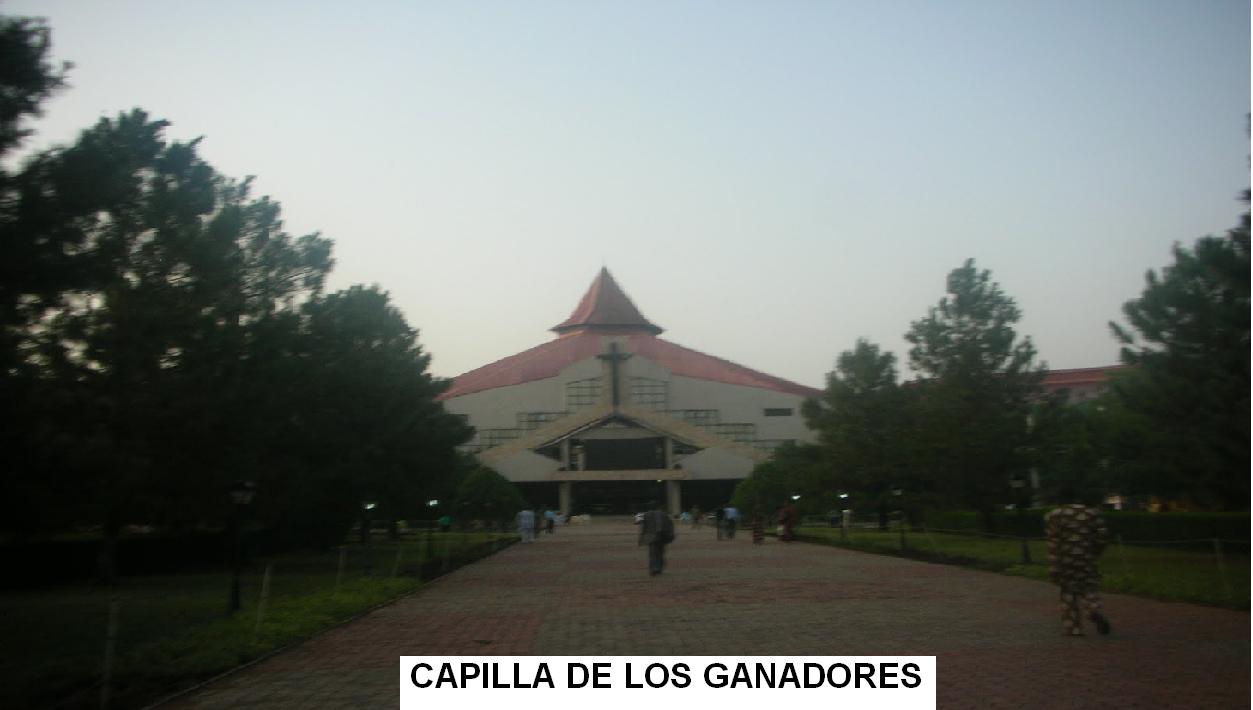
{"type": "Point", "coordinates": [366, 507]}
{"type": "Point", "coordinates": [241, 495]}
{"type": "Point", "coordinates": [899, 493]}
{"type": "Point", "coordinates": [844, 515]}
{"type": "Point", "coordinates": [431, 504]}
{"type": "Point", "coordinates": [1019, 485]}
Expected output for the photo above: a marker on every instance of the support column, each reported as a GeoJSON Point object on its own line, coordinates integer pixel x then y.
{"type": "Point", "coordinates": [563, 497]}
{"type": "Point", "coordinates": [673, 503]}
{"type": "Point", "coordinates": [669, 455]}
{"type": "Point", "coordinates": [565, 454]}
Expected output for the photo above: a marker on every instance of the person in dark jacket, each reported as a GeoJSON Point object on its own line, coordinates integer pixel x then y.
{"type": "Point", "coordinates": [656, 531]}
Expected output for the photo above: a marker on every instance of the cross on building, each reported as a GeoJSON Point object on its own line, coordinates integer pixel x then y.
{"type": "Point", "coordinates": [613, 357]}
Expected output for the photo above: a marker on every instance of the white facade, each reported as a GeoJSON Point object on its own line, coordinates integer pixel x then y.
{"type": "Point", "coordinates": [609, 403]}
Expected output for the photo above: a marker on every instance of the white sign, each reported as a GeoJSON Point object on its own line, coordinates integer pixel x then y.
{"type": "Point", "coordinates": [622, 682]}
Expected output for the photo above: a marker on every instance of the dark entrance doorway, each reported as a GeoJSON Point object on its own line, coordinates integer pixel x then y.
{"type": "Point", "coordinates": [710, 494]}
{"type": "Point", "coordinates": [615, 497]}
{"type": "Point", "coordinates": [539, 495]}
{"type": "Point", "coordinates": [624, 454]}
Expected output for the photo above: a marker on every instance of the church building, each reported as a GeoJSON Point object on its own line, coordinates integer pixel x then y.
{"type": "Point", "coordinates": [607, 415]}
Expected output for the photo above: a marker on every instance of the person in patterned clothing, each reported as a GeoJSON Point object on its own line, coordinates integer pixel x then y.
{"type": "Point", "coordinates": [759, 527]}
{"type": "Point", "coordinates": [1076, 537]}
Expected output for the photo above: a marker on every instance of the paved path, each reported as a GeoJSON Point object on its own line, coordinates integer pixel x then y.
{"type": "Point", "coordinates": [586, 591]}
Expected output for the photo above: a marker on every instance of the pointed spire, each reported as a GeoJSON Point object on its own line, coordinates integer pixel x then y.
{"type": "Point", "coordinates": [605, 306]}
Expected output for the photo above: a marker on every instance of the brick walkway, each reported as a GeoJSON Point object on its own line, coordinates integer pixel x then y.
{"type": "Point", "coordinates": [586, 591]}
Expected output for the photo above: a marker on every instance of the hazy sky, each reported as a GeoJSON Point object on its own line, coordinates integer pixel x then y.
{"type": "Point", "coordinates": [767, 180]}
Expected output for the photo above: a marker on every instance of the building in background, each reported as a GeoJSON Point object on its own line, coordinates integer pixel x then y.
{"type": "Point", "coordinates": [1080, 384]}
{"type": "Point", "coordinates": [608, 415]}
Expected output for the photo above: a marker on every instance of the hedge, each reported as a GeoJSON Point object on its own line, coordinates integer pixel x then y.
{"type": "Point", "coordinates": [44, 562]}
{"type": "Point", "coordinates": [1133, 526]}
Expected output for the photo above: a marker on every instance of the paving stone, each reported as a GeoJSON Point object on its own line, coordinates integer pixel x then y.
{"type": "Point", "coordinates": [585, 591]}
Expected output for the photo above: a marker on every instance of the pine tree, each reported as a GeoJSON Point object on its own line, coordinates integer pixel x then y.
{"type": "Point", "coordinates": [978, 380]}
{"type": "Point", "coordinates": [1187, 339]}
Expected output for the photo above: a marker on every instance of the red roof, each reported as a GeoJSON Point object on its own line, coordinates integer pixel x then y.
{"type": "Point", "coordinates": [606, 310]}
{"type": "Point", "coordinates": [1078, 377]}
{"type": "Point", "coordinates": [605, 306]}
{"type": "Point", "coordinates": [551, 358]}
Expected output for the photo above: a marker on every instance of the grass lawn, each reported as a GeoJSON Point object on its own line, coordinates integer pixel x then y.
{"type": "Point", "coordinates": [1159, 571]}
{"type": "Point", "coordinates": [173, 630]}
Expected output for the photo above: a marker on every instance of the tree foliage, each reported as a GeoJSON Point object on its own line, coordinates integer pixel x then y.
{"type": "Point", "coordinates": [1187, 339]}
{"type": "Point", "coordinates": [161, 336]}
{"type": "Point", "coordinates": [792, 470]}
{"type": "Point", "coordinates": [487, 496]}
{"type": "Point", "coordinates": [1080, 448]}
{"type": "Point", "coordinates": [27, 76]}
{"type": "Point", "coordinates": [368, 423]}
{"type": "Point", "coordinates": [863, 421]}
{"type": "Point", "coordinates": [977, 383]}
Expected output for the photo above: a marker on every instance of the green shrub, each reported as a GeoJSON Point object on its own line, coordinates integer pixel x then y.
{"type": "Point", "coordinates": [1166, 572]}
{"type": "Point", "coordinates": [1133, 526]}
{"type": "Point", "coordinates": [488, 496]}
{"type": "Point", "coordinates": [1137, 526]}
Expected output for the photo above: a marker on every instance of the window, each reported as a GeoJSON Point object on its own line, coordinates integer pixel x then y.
{"type": "Point", "coordinates": [649, 393]}
{"type": "Point", "coordinates": [535, 420]}
{"type": "Point", "coordinates": [778, 411]}
{"type": "Point", "coordinates": [743, 433]}
{"type": "Point", "coordinates": [489, 438]}
{"type": "Point", "coordinates": [582, 393]}
{"type": "Point", "coordinates": [696, 417]}
{"type": "Point", "coordinates": [772, 444]}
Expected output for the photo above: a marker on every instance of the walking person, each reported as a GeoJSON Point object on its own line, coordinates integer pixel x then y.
{"type": "Point", "coordinates": [1076, 537]}
{"type": "Point", "coordinates": [731, 516]}
{"type": "Point", "coordinates": [718, 520]}
{"type": "Point", "coordinates": [550, 520]}
{"type": "Point", "coordinates": [787, 522]}
{"type": "Point", "coordinates": [656, 531]}
{"type": "Point", "coordinates": [526, 525]}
